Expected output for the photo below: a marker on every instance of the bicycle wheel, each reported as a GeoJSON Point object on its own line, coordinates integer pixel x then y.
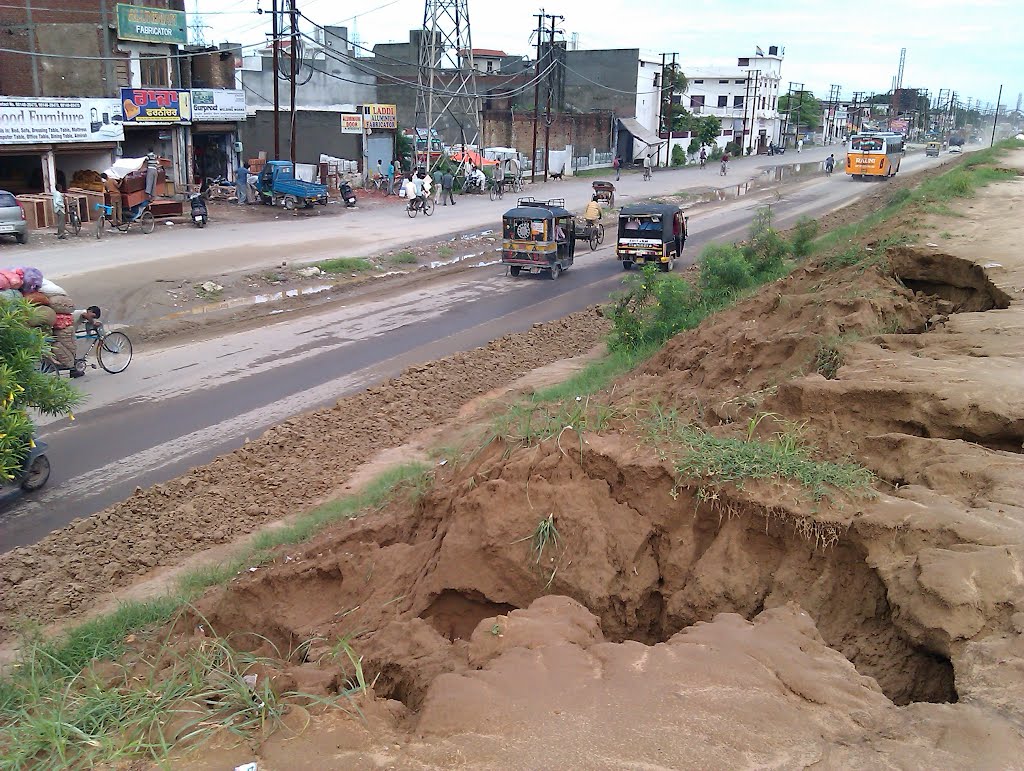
{"type": "Point", "coordinates": [75, 223]}
{"type": "Point", "coordinates": [101, 225]}
{"type": "Point", "coordinates": [593, 240]}
{"type": "Point", "coordinates": [148, 222]}
{"type": "Point", "coordinates": [114, 352]}
{"type": "Point", "coordinates": [493, 193]}
{"type": "Point", "coordinates": [600, 233]}
{"type": "Point", "coordinates": [411, 209]}
{"type": "Point", "coordinates": [428, 207]}
{"type": "Point", "coordinates": [48, 367]}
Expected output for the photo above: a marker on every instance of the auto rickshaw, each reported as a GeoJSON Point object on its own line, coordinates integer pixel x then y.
{"type": "Point", "coordinates": [933, 149]}
{"type": "Point", "coordinates": [538, 236]}
{"type": "Point", "coordinates": [650, 233]}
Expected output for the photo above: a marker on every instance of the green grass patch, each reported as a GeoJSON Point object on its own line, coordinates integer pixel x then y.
{"type": "Point", "coordinates": [52, 716]}
{"type": "Point", "coordinates": [345, 265]}
{"type": "Point", "coordinates": [717, 461]}
{"type": "Point", "coordinates": [595, 376]}
{"type": "Point", "coordinates": [403, 258]}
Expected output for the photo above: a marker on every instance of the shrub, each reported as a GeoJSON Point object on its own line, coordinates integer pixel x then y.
{"type": "Point", "coordinates": [716, 152]}
{"type": "Point", "coordinates": [724, 272]}
{"type": "Point", "coordinates": [733, 148]}
{"type": "Point", "coordinates": [654, 308]}
{"type": "Point", "coordinates": [678, 156]}
{"type": "Point", "coordinates": [694, 147]}
{"type": "Point", "coordinates": [802, 238]}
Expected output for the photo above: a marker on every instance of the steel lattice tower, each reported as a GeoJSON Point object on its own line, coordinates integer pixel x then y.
{"type": "Point", "coordinates": [447, 95]}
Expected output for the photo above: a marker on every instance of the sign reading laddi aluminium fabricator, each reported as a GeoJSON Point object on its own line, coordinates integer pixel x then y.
{"type": "Point", "coordinates": [156, 106]}
{"type": "Point", "coordinates": [218, 104]}
{"type": "Point", "coordinates": [151, 25]}
{"type": "Point", "coordinates": [28, 120]}
{"type": "Point", "coordinates": [380, 116]}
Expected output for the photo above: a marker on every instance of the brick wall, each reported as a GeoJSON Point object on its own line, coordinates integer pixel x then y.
{"type": "Point", "coordinates": [503, 128]}
{"type": "Point", "coordinates": [64, 27]}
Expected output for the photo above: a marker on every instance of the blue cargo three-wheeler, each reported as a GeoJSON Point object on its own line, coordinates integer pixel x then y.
{"type": "Point", "coordinates": [277, 184]}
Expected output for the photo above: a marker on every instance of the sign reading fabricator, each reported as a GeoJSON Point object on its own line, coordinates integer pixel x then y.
{"type": "Point", "coordinates": [151, 25]}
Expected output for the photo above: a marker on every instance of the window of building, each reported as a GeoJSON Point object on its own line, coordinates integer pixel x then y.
{"type": "Point", "coordinates": [490, 66]}
{"type": "Point", "coordinates": [740, 82]}
{"type": "Point", "coordinates": [744, 63]}
{"type": "Point", "coordinates": [737, 101]}
{"type": "Point", "coordinates": [657, 80]}
{"type": "Point", "coordinates": [773, 102]}
{"type": "Point", "coordinates": [153, 70]}
{"type": "Point", "coordinates": [699, 81]}
{"type": "Point", "coordinates": [726, 82]}
{"type": "Point", "coordinates": [723, 101]}
{"type": "Point", "coordinates": [764, 102]}
{"type": "Point", "coordinates": [696, 102]}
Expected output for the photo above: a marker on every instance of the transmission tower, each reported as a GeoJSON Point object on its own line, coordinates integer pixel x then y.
{"type": "Point", "coordinates": [197, 29]}
{"type": "Point", "coordinates": [447, 95]}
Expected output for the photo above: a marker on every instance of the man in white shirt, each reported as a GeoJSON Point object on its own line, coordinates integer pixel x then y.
{"type": "Point", "coordinates": [60, 211]}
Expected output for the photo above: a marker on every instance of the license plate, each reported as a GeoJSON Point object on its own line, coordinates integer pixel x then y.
{"type": "Point", "coordinates": [6, 228]}
{"type": "Point", "coordinates": [639, 260]}
{"type": "Point", "coordinates": [535, 270]}
{"type": "Point", "coordinates": [198, 218]}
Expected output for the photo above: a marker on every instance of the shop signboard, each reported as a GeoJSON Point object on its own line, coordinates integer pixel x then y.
{"type": "Point", "coordinates": [380, 116]}
{"type": "Point", "coordinates": [218, 104]}
{"type": "Point", "coordinates": [351, 123]}
{"type": "Point", "coordinates": [30, 120]}
{"type": "Point", "coordinates": [156, 106]}
{"type": "Point", "coordinates": [151, 25]}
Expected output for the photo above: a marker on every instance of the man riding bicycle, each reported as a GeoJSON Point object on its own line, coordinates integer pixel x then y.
{"type": "Point", "coordinates": [499, 178]}
{"type": "Point", "coordinates": [593, 212]}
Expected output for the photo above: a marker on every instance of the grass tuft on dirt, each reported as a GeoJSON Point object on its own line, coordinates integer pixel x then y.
{"type": "Point", "coordinates": [345, 265]}
{"type": "Point", "coordinates": [51, 711]}
{"type": "Point", "coordinates": [403, 258]}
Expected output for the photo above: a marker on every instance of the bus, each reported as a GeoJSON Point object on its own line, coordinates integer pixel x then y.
{"type": "Point", "coordinates": [874, 154]}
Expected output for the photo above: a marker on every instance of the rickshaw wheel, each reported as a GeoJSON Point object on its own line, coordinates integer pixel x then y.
{"type": "Point", "coordinates": [555, 272]}
{"type": "Point", "coordinates": [626, 265]}
{"type": "Point", "coordinates": [514, 270]}
{"type": "Point", "coordinates": [600, 233]}
{"type": "Point", "coordinates": [148, 222]}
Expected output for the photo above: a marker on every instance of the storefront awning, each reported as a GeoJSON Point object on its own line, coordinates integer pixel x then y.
{"type": "Point", "coordinates": [640, 133]}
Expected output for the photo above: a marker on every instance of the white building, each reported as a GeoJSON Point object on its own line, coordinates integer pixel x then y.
{"type": "Point", "coordinates": [648, 93]}
{"type": "Point", "coordinates": [745, 98]}
{"type": "Point", "coordinates": [485, 60]}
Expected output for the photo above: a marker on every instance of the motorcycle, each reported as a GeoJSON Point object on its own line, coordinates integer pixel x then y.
{"type": "Point", "coordinates": [200, 214]}
{"type": "Point", "coordinates": [347, 194]}
{"type": "Point", "coordinates": [34, 473]}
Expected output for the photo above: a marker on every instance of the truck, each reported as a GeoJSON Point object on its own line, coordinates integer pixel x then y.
{"type": "Point", "coordinates": [277, 184]}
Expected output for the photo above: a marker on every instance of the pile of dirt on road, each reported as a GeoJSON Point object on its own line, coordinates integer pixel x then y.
{"type": "Point", "coordinates": [540, 592]}
{"type": "Point", "coordinates": [291, 467]}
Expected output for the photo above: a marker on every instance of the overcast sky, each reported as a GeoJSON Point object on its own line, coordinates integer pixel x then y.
{"type": "Point", "coordinates": [970, 47]}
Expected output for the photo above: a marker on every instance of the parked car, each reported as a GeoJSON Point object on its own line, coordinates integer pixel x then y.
{"type": "Point", "coordinates": [12, 217]}
{"type": "Point", "coordinates": [954, 148]}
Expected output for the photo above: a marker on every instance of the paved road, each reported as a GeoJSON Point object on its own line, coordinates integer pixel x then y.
{"type": "Point", "coordinates": [183, 405]}
{"type": "Point", "coordinates": [228, 247]}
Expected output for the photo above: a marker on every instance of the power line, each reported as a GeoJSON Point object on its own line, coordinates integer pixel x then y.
{"type": "Point", "coordinates": [187, 55]}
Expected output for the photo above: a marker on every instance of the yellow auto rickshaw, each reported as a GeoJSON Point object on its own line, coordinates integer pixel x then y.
{"type": "Point", "coordinates": [933, 149]}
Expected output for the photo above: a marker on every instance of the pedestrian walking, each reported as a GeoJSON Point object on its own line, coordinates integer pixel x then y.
{"type": "Point", "coordinates": [800, 145]}
{"type": "Point", "coordinates": [60, 211]}
{"type": "Point", "coordinates": [447, 183]}
{"type": "Point", "coordinates": [617, 165]}
{"type": "Point", "coordinates": [438, 179]}
{"type": "Point", "coordinates": [242, 183]}
{"type": "Point", "coordinates": [152, 167]}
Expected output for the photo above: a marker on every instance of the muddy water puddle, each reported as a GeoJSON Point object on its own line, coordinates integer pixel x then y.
{"type": "Point", "coordinates": [773, 175]}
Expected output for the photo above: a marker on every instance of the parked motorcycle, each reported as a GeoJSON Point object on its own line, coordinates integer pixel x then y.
{"type": "Point", "coordinates": [347, 194]}
{"type": "Point", "coordinates": [200, 214]}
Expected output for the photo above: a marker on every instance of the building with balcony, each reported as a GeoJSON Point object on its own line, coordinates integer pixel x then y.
{"type": "Point", "coordinates": [745, 98]}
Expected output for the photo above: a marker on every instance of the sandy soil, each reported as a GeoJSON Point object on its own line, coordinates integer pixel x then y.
{"type": "Point", "coordinates": [670, 624]}
{"type": "Point", "coordinates": [750, 628]}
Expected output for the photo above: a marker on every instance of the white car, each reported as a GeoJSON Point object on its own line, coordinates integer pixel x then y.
{"type": "Point", "coordinates": [955, 149]}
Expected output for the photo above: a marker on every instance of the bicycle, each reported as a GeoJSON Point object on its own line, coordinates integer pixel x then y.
{"type": "Point", "coordinates": [725, 169]}
{"type": "Point", "coordinates": [425, 204]}
{"type": "Point", "coordinates": [139, 214]}
{"type": "Point", "coordinates": [516, 185]}
{"type": "Point", "coordinates": [112, 350]}
{"type": "Point", "coordinates": [74, 220]}
{"type": "Point", "coordinates": [378, 183]}
{"type": "Point", "coordinates": [703, 162]}
{"type": "Point", "coordinates": [496, 189]}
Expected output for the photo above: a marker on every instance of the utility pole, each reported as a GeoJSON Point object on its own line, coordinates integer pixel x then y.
{"type": "Point", "coordinates": [671, 96]}
{"type": "Point", "coordinates": [661, 105]}
{"type": "Point", "coordinates": [995, 120]}
{"type": "Point", "coordinates": [277, 87]}
{"type": "Point", "coordinates": [857, 97]}
{"type": "Point", "coordinates": [294, 15]}
{"type": "Point", "coordinates": [551, 87]}
{"type": "Point", "coordinates": [536, 95]}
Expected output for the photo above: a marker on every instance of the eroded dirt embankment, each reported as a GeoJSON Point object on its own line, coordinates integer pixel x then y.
{"type": "Point", "coordinates": [673, 624]}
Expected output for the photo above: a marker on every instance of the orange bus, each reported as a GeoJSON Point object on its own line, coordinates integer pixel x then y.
{"type": "Point", "coordinates": [874, 154]}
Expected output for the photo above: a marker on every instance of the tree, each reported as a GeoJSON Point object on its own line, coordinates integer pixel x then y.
{"type": "Point", "coordinates": [709, 130]}
{"type": "Point", "coordinates": [806, 109]}
{"type": "Point", "coordinates": [674, 81]}
{"type": "Point", "coordinates": [678, 156]}
{"type": "Point", "coordinates": [694, 147]}
{"type": "Point", "coordinates": [23, 386]}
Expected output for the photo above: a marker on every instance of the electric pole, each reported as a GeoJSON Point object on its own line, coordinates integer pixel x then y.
{"type": "Point", "coordinates": [551, 87]}
{"type": "Point", "coordinates": [277, 87]}
{"type": "Point", "coordinates": [661, 105]}
{"type": "Point", "coordinates": [536, 95]}
{"type": "Point", "coordinates": [995, 120]}
{"type": "Point", "coordinates": [671, 97]}
{"type": "Point", "coordinates": [294, 17]}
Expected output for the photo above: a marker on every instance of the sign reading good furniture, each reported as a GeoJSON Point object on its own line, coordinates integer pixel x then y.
{"type": "Point", "coordinates": [151, 25]}
{"type": "Point", "coordinates": [156, 105]}
{"type": "Point", "coordinates": [380, 116]}
{"type": "Point", "coordinates": [28, 120]}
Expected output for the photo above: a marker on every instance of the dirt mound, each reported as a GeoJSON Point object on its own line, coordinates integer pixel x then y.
{"type": "Point", "coordinates": [291, 467]}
